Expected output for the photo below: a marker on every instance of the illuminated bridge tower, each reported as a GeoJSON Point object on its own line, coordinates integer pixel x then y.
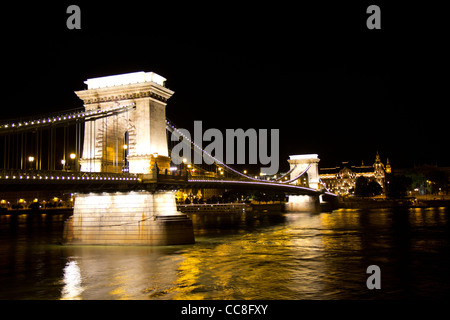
{"type": "Point", "coordinates": [298, 164]}
{"type": "Point", "coordinates": [141, 130]}
{"type": "Point", "coordinates": [131, 138]}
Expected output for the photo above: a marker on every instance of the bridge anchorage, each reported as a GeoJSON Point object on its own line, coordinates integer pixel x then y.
{"type": "Point", "coordinates": [137, 217]}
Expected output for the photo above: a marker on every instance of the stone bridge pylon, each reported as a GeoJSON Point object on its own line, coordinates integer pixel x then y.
{"type": "Point", "coordinates": [131, 140]}
{"type": "Point", "coordinates": [141, 129]}
{"type": "Point", "coordinates": [298, 164]}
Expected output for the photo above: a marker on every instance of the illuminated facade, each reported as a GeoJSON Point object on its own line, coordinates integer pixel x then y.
{"type": "Point", "coordinates": [134, 139]}
{"type": "Point", "coordinates": [341, 180]}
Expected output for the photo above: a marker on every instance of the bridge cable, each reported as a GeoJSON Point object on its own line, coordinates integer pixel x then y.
{"type": "Point", "coordinates": [171, 127]}
{"type": "Point", "coordinates": [287, 173]}
{"type": "Point", "coordinates": [297, 177]}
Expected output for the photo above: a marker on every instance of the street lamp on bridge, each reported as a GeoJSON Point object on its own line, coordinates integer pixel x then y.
{"type": "Point", "coordinates": [72, 157]}
{"type": "Point", "coordinates": [124, 158]}
{"type": "Point", "coordinates": [31, 160]}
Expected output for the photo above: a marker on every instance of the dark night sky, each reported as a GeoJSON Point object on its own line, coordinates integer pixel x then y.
{"type": "Point", "coordinates": [329, 84]}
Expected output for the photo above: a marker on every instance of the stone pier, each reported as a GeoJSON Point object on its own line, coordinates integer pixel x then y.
{"type": "Point", "coordinates": [128, 218]}
{"type": "Point", "coordinates": [303, 203]}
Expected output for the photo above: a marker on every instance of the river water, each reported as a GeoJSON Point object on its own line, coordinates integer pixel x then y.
{"type": "Point", "coordinates": [238, 256]}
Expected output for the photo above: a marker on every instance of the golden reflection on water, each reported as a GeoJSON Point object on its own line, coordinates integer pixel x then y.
{"type": "Point", "coordinates": [277, 262]}
{"type": "Point", "coordinates": [428, 216]}
{"type": "Point", "coordinates": [333, 225]}
{"type": "Point", "coordinates": [302, 256]}
{"type": "Point", "coordinates": [242, 256]}
{"type": "Point", "coordinates": [268, 264]}
{"type": "Point", "coordinates": [244, 267]}
{"type": "Point", "coordinates": [283, 261]}
{"type": "Point", "coordinates": [123, 272]}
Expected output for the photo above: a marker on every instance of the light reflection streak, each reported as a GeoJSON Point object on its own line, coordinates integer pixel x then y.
{"type": "Point", "coordinates": [302, 256]}
{"type": "Point", "coordinates": [277, 262]}
{"type": "Point", "coordinates": [72, 282]}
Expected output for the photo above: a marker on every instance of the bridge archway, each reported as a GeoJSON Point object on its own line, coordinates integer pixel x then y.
{"type": "Point", "coordinates": [310, 163]}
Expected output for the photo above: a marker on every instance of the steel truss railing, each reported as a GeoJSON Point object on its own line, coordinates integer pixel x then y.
{"type": "Point", "coordinates": [60, 118]}
{"type": "Point", "coordinates": [14, 174]}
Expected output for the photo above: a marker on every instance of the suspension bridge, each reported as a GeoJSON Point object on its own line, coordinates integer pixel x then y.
{"type": "Point", "coordinates": [114, 155]}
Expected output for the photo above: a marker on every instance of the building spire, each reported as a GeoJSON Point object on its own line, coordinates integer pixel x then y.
{"type": "Point", "coordinates": [388, 166]}
{"type": "Point", "coordinates": [378, 165]}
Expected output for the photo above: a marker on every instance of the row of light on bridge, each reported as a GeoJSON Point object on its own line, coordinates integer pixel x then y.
{"type": "Point", "coordinates": [39, 177]}
{"type": "Point", "coordinates": [81, 114]}
{"type": "Point", "coordinates": [259, 182]}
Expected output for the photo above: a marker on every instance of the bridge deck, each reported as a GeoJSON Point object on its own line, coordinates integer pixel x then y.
{"type": "Point", "coordinates": [28, 180]}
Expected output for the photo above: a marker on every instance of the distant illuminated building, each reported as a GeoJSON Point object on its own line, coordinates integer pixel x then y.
{"type": "Point", "coordinates": [388, 167]}
{"type": "Point", "coordinates": [341, 180]}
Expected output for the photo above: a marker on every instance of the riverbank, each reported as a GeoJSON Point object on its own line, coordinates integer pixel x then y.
{"type": "Point", "coordinates": [353, 203]}
{"type": "Point", "coordinates": [184, 208]}
{"type": "Point", "coordinates": [374, 203]}
{"type": "Point", "coordinates": [230, 207]}
{"type": "Point", "coordinates": [59, 210]}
